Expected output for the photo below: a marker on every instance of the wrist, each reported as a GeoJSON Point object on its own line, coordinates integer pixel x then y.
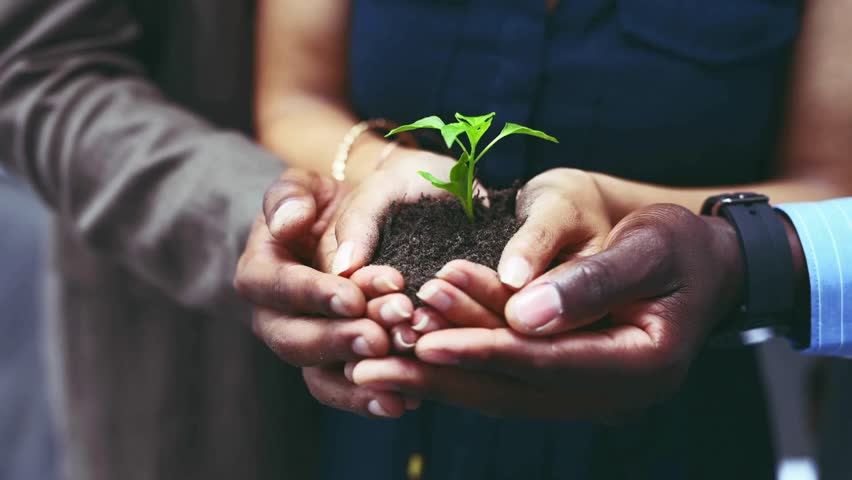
{"type": "Point", "coordinates": [621, 197]}
{"type": "Point", "coordinates": [801, 315]}
{"type": "Point", "coordinates": [799, 266]}
{"type": "Point", "coordinates": [365, 158]}
{"type": "Point", "coordinates": [727, 254]}
{"type": "Point", "coordinates": [767, 278]}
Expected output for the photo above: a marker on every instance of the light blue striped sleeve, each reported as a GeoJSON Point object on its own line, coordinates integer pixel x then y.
{"type": "Point", "coordinates": [825, 231]}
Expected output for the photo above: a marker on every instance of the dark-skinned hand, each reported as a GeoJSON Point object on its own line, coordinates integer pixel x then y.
{"type": "Point", "coordinates": [664, 278]}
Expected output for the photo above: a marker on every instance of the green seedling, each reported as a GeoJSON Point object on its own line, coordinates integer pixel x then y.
{"type": "Point", "coordinates": [462, 174]}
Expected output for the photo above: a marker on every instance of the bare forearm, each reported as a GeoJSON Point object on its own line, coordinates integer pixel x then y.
{"type": "Point", "coordinates": [624, 196]}
{"type": "Point", "coordinates": [307, 131]}
{"type": "Point", "coordinates": [301, 107]}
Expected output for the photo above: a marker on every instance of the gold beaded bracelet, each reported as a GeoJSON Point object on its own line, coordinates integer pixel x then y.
{"type": "Point", "coordinates": [338, 166]}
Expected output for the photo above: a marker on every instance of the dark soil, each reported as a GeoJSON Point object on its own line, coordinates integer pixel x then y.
{"type": "Point", "coordinates": [420, 238]}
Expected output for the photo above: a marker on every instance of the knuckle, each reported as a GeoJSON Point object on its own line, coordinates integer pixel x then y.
{"type": "Point", "coordinates": [239, 285]}
{"type": "Point", "coordinates": [278, 287]}
{"type": "Point", "coordinates": [299, 348]}
{"type": "Point", "coordinates": [533, 238]}
{"type": "Point", "coordinates": [594, 276]}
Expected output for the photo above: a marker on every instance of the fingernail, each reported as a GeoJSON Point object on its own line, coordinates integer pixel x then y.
{"type": "Point", "coordinates": [453, 276]}
{"type": "Point", "coordinates": [361, 347]}
{"type": "Point", "coordinates": [421, 321]}
{"type": "Point", "coordinates": [393, 311]}
{"type": "Point", "coordinates": [339, 307]}
{"type": "Point", "coordinates": [343, 258]}
{"type": "Point", "coordinates": [539, 307]}
{"type": "Point", "coordinates": [400, 340]}
{"type": "Point", "coordinates": [412, 403]}
{"type": "Point", "coordinates": [288, 212]}
{"type": "Point", "coordinates": [438, 357]}
{"type": "Point", "coordinates": [547, 326]}
{"type": "Point", "coordinates": [516, 272]}
{"type": "Point", "coordinates": [433, 295]}
{"type": "Point", "coordinates": [385, 285]}
{"type": "Point", "coordinates": [377, 409]}
{"type": "Point", "coordinates": [347, 371]}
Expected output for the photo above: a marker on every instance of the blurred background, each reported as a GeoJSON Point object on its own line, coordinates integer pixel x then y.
{"type": "Point", "coordinates": [29, 449]}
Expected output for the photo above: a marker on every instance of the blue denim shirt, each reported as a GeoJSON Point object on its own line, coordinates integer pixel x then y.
{"type": "Point", "coordinates": [681, 92]}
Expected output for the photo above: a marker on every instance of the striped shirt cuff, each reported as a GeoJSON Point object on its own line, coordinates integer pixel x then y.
{"type": "Point", "coordinates": [825, 231]}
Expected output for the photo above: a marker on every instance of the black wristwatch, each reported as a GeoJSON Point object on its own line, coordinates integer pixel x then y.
{"type": "Point", "coordinates": [767, 305]}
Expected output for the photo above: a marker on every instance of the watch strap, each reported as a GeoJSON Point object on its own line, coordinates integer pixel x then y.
{"type": "Point", "coordinates": [769, 281]}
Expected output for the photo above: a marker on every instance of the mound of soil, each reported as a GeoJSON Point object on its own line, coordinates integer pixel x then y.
{"type": "Point", "coordinates": [419, 238]}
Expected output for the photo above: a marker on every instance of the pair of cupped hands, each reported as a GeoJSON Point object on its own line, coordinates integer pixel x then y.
{"type": "Point", "coordinates": [608, 332]}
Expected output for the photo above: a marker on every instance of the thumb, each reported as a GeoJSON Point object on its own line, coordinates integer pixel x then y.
{"type": "Point", "coordinates": [551, 224]}
{"type": "Point", "coordinates": [290, 204]}
{"type": "Point", "coordinates": [636, 265]}
{"type": "Point", "coordinates": [357, 228]}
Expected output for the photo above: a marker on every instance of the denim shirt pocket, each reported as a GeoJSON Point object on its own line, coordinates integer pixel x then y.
{"type": "Point", "coordinates": [712, 32]}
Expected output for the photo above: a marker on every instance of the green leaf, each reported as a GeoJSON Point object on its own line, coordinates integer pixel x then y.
{"type": "Point", "coordinates": [477, 126]}
{"type": "Point", "coordinates": [457, 184]}
{"type": "Point", "coordinates": [434, 181]}
{"type": "Point", "coordinates": [452, 187]}
{"type": "Point", "coordinates": [451, 131]}
{"type": "Point", "coordinates": [474, 121]}
{"type": "Point", "coordinates": [458, 177]}
{"type": "Point", "coordinates": [514, 128]}
{"type": "Point", "coordinates": [458, 174]}
{"type": "Point", "coordinates": [428, 122]}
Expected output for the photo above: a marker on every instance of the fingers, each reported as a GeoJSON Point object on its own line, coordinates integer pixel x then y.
{"type": "Point", "coordinates": [357, 227]}
{"type": "Point", "coordinates": [479, 282]}
{"type": "Point", "coordinates": [553, 223]}
{"type": "Point", "coordinates": [619, 350]}
{"type": "Point", "coordinates": [378, 280]}
{"type": "Point", "coordinates": [330, 387]}
{"type": "Point", "coordinates": [428, 320]}
{"type": "Point", "coordinates": [457, 307]}
{"type": "Point", "coordinates": [390, 310]}
{"type": "Point", "coordinates": [490, 394]}
{"type": "Point", "coordinates": [634, 267]}
{"type": "Point", "coordinates": [308, 342]}
{"type": "Point", "coordinates": [404, 338]}
{"type": "Point", "coordinates": [266, 277]}
{"type": "Point", "coordinates": [291, 204]}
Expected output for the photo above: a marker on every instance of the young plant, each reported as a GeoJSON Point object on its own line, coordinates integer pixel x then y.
{"type": "Point", "coordinates": [462, 174]}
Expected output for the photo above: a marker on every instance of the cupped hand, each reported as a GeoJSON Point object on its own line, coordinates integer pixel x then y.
{"type": "Point", "coordinates": [310, 318]}
{"type": "Point", "coordinates": [564, 216]}
{"type": "Point", "coordinates": [664, 279]}
{"type": "Point", "coordinates": [352, 239]}
{"type": "Point", "coordinates": [463, 294]}
{"type": "Point", "coordinates": [350, 242]}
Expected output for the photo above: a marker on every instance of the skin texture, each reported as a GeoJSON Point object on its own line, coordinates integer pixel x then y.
{"type": "Point", "coordinates": [309, 318]}
{"type": "Point", "coordinates": [301, 85]}
{"type": "Point", "coordinates": [663, 280]}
